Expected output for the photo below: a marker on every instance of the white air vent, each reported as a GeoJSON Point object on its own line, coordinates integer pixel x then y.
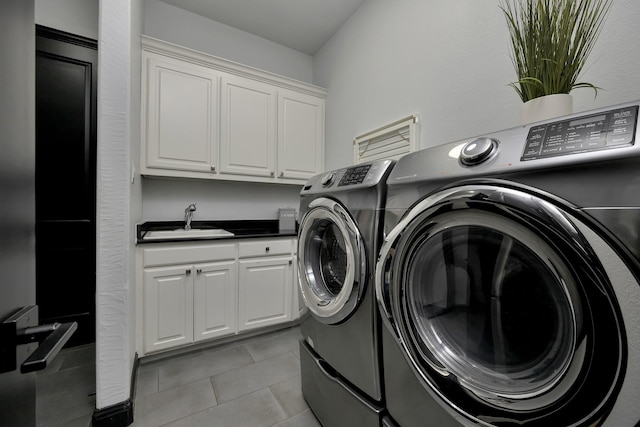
{"type": "Point", "coordinates": [387, 142]}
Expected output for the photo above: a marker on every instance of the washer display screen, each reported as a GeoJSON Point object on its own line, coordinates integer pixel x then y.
{"type": "Point", "coordinates": [611, 129]}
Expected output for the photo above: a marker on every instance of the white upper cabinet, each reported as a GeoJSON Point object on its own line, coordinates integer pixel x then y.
{"type": "Point", "coordinates": [205, 117]}
{"type": "Point", "coordinates": [300, 135]}
{"type": "Point", "coordinates": [248, 128]}
{"type": "Point", "coordinates": [182, 114]}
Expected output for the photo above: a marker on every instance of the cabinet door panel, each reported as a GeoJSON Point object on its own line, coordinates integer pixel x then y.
{"type": "Point", "coordinates": [248, 128]}
{"type": "Point", "coordinates": [168, 307]}
{"type": "Point", "coordinates": [264, 292]}
{"type": "Point", "coordinates": [300, 135]}
{"type": "Point", "coordinates": [182, 115]}
{"type": "Point", "coordinates": [215, 300]}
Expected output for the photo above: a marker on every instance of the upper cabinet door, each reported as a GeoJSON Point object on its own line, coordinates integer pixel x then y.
{"type": "Point", "coordinates": [248, 134]}
{"type": "Point", "coordinates": [182, 114]}
{"type": "Point", "coordinates": [300, 135]}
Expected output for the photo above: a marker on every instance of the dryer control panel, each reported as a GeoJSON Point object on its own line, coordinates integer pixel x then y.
{"type": "Point", "coordinates": [601, 131]}
{"type": "Point", "coordinates": [354, 177]}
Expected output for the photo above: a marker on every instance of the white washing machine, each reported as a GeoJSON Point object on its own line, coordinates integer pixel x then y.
{"type": "Point", "coordinates": [338, 241]}
{"type": "Point", "coordinates": [509, 278]}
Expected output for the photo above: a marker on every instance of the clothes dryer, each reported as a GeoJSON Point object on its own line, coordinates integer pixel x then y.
{"type": "Point", "coordinates": [509, 277]}
{"type": "Point", "coordinates": [338, 242]}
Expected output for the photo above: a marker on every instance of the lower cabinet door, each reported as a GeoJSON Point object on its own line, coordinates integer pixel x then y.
{"type": "Point", "coordinates": [168, 307]}
{"type": "Point", "coordinates": [215, 300]}
{"type": "Point", "coordinates": [265, 290]}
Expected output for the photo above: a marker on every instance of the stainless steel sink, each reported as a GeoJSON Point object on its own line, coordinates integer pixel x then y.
{"type": "Point", "coordinates": [181, 233]}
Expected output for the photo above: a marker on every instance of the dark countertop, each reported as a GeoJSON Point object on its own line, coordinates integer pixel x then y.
{"type": "Point", "coordinates": [242, 229]}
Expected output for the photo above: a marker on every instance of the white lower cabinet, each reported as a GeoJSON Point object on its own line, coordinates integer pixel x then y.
{"type": "Point", "coordinates": [265, 291]}
{"type": "Point", "coordinates": [192, 292]}
{"type": "Point", "coordinates": [214, 300]}
{"type": "Point", "coordinates": [168, 307]}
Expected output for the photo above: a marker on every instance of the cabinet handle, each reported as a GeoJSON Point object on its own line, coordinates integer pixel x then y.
{"type": "Point", "coordinates": [199, 270]}
{"type": "Point", "coordinates": [266, 249]}
{"type": "Point", "coordinates": [188, 272]}
{"type": "Point", "coordinates": [290, 262]}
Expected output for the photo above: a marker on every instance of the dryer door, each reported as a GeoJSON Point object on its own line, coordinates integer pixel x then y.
{"type": "Point", "coordinates": [332, 262]}
{"type": "Point", "coordinates": [502, 308]}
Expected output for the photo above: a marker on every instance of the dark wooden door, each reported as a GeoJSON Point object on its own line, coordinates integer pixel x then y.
{"type": "Point", "coordinates": [66, 89]}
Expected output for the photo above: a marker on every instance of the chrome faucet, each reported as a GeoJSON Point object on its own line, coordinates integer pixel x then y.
{"type": "Point", "coordinates": [188, 216]}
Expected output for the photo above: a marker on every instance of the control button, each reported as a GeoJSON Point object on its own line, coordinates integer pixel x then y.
{"type": "Point", "coordinates": [328, 179]}
{"type": "Point", "coordinates": [477, 151]}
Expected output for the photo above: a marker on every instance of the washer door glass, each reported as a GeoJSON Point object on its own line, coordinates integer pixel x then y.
{"type": "Point", "coordinates": [501, 307]}
{"type": "Point", "coordinates": [330, 254]}
{"type": "Point", "coordinates": [492, 304]}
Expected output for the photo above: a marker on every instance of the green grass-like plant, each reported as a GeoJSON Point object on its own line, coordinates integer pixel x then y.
{"type": "Point", "coordinates": [551, 41]}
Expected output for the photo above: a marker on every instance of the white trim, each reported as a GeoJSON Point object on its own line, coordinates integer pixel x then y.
{"type": "Point", "coordinates": [150, 44]}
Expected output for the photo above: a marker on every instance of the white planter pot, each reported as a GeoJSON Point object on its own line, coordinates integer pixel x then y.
{"type": "Point", "coordinates": [546, 107]}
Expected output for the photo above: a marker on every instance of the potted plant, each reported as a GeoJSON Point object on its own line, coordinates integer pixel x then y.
{"type": "Point", "coordinates": [550, 43]}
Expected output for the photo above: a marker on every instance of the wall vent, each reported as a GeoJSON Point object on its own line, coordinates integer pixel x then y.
{"type": "Point", "coordinates": [391, 141]}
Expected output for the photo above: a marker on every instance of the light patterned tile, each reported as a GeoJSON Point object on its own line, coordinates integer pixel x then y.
{"type": "Point", "coordinates": [247, 379]}
{"type": "Point", "coordinates": [79, 379]}
{"type": "Point", "coordinates": [62, 408]}
{"type": "Point", "coordinates": [304, 419]}
{"type": "Point", "coordinates": [84, 421]}
{"type": "Point", "coordinates": [78, 356]}
{"type": "Point", "coordinates": [201, 365]}
{"type": "Point", "coordinates": [166, 406]}
{"type": "Point", "coordinates": [289, 395]}
{"type": "Point", "coordinates": [257, 409]}
{"type": "Point", "coordinates": [147, 381]}
{"type": "Point", "coordinates": [275, 344]}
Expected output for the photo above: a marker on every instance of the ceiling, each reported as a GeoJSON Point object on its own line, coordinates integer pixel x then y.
{"type": "Point", "coordinates": [302, 25]}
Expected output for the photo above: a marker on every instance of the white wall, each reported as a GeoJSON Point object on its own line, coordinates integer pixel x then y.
{"type": "Point", "coordinates": [165, 200]}
{"type": "Point", "coordinates": [135, 196]}
{"type": "Point", "coordinates": [78, 17]}
{"type": "Point", "coordinates": [118, 124]}
{"type": "Point", "coordinates": [448, 62]}
{"type": "Point", "coordinates": [178, 26]}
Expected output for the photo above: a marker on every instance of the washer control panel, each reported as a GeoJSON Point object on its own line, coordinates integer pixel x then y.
{"type": "Point", "coordinates": [601, 131]}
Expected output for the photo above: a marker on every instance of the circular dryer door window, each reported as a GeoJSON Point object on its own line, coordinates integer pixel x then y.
{"type": "Point", "coordinates": [501, 307]}
{"type": "Point", "coordinates": [331, 261]}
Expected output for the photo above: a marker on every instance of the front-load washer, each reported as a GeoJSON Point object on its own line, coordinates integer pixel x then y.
{"type": "Point", "coordinates": [508, 280]}
{"type": "Point", "coordinates": [338, 241]}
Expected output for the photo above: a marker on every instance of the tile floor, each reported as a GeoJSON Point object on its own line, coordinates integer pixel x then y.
{"type": "Point", "coordinates": [65, 391]}
{"type": "Point", "coordinates": [252, 382]}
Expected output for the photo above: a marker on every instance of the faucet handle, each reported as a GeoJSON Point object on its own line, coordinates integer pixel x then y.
{"type": "Point", "coordinates": [191, 207]}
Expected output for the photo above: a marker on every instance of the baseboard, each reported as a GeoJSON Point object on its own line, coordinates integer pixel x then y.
{"type": "Point", "coordinates": [120, 414]}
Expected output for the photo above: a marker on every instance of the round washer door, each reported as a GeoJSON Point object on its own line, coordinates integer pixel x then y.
{"type": "Point", "coordinates": [331, 261]}
{"type": "Point", "coordinates": [502, 308]}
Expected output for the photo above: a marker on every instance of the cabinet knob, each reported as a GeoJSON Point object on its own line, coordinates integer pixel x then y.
{"type": "Point", "coordinates": [281, 174]}
{"type": "Point", "coordinates": [273, 173]}
{"type": "Point", "coordinates": [266, 249]}
{"type": "Point", "coordinates": [188, 272]}
{"type": "Point", "coordinates": [213, 168]}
